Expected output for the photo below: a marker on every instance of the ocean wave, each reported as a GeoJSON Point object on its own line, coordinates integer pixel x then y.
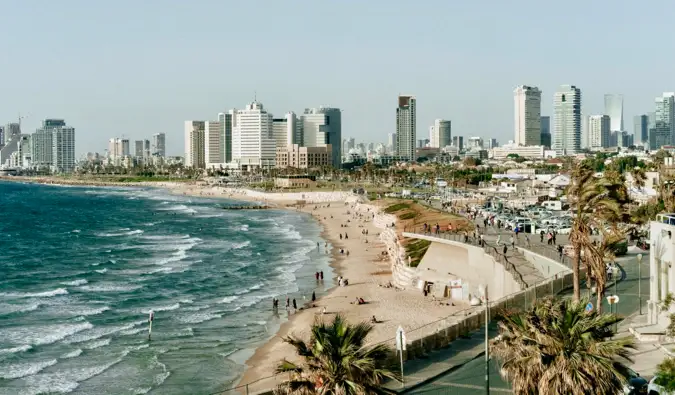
{"type": "Point", "coordinates": [229, 299]}
{"type": "Point", "coordinates": [101, 271]}
{"type": "Point", "coordinates": [97, 344]}
{"type": "Point", "coordinates": [45, 294]}
{"type": "Point", "coordinates": [75, 283]}
{"type": "Point", "coordinates": [19, 370]}
{"type": "Point", "coordinates": [197, 318]}
{"type": "Point", "coordinates": [121, 232]}
{"type": "Point", "coordinates": [244, 228]}
{"type": "Point", "coordinates": [72, 354]}
{"type": "Point", "coordinates": [132, 331]}
{"type": "Point", "coordinates": [15, 350]}
{"type": "Point", "coordinates": [42, 335]}
{"type": "Point", "coordinates": [170, 307]}
{"type": "Point", "coordinates": [6, 308]}
{"type": "Point", "coordinates": [239, 246]}
{"type": "Point", "coordinates": [109, 287]}
{"type": "Point", "coordinates": [247, 290]}
{"type": "Point", "coordinates": [96, 333]}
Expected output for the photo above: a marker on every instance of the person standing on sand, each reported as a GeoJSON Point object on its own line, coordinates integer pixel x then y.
{"type": "Point", "coordinates": [346, 237]}
{"type": "Point", "coordinates": [340, 236]}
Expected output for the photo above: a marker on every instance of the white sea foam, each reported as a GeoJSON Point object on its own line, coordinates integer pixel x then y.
{"type": "Point", "coordinates": [109, 287]}
{"type": "Point", "coordinates": [45, 294]}
{"type": "Point", "coordinates": [101, 271]}
{"type": "Point", "coordinates": [75, 283]}
{"type": "Point", "coordinates": [244, 228]}
{"type": "Point", "coordinates": [156, 309]}
{"type": "Point", "coordinates": [75, 231]}
{"type": "Point", "coordinates": [121, 232]}
{"type": "Point", "coordinates": [239, 246]}
{"type": "Point", "coordinates": [72, 354]}
{"type": "Point", "coordinates": [41, 335]}
{"type": "Point", "coordinates": [18, 370]}
{"type": "Point", "coordinates": [14, 350]}
{"type": "Point", "coordinates": [96, 344]}
{"type": "Point", "coordinates": [96, 333]}
{"type": "Point", "coordinates": [6, 308]}
{"type": "Point", "coordinates": [86, 311]}
{"type": "Point", "coordinates": [229, 299]}
{"type": "Point", "coordinates": [196, 318]}
{"type": "Point", "coordinates": [247, 290]}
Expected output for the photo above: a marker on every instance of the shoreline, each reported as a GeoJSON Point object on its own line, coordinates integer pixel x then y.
{"type": "Point", "coordinates": [368, 266]}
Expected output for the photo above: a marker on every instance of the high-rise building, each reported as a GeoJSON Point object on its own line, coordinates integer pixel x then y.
{"type": "Point", "coordinates": [225, 120]}
{"type": "Point", "coordinates": [422, 143]}
{"type": "Point", "coordinates": [440, 134]}
{"type": "Point", "coordinates": [41, 143]}
{"type": "Point", "coordinates": [567, 120]}
{"type": "Point", "coordinates": [63, 149]}
{"type": "Point", "coordinates": [475, 143]}
{"type": "Point", "coordinates": [195, 144]}
{"type": "Point", "coordinates": [492, 143]}
{"type": "Point", "coordinates": [458, 141]}
{"type": "Point", "coordinates": [406, 126]}
{"type": "Point", "coordinates": [287, 130]}
{"type": "Point", "coordinates": [12, 133]}
{"type": "Point", "coordinates": [2, 136]}
{"type": "Point", "coordinates": [146, 148]}
{"type": "Point", "coordinates": [118, 148]}
{"type": "Point", "coordinates": [322, 127]}
{"type": "Point", "coordinates": [614, 109]}
{"type": "Point", "coordinates": [599, 132]}
{"type": "Point", "coordinates": [641, 128]}
{"type": "Point", "coordinates": [159, 144]}
{"type": "Point", "coordinates": [663, 132]}
{"type": "Point", "coordinates": [253, 142]}
{"type": "Point", "coordinates": [138, 148]}
{"type": "Point", "coordinates": [214, 142]}
{"type": "Point", "coordinates": [391, 142]}
{"type": "Point", "coordinates": [527, 117]}
{"type": "Point", "coordinates": [546, 131]}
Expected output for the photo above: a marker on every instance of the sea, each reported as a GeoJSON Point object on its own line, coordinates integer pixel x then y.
{"type": "Point", "coordinates": [82, 267]}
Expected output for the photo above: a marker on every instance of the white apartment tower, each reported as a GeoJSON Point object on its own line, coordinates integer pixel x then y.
{"type": "Point", "coordinates": [599, 131]}
{"type": "Point", "coordinates": [406, 126]}
{"type": "Point", "coordinates": [567, 120]}
{"type": "Point", "coordinates": [391, 143]}
{"type": "Point", "coordinates": [287, 131]}
{"type": "Point", "coordinates": [63, 150]}
{"type": "Point", "coordinates": [159, 144]}
{"type": "Point", "coordinates": [527, 117]}
{"type": "Point", "coordinates": [322, 127]}
{"type": "Point", "coordinates": [614, 109]}
{"type": "Point", "coordinates": [253, 142]}
{"type": "Point", "coordinates": [442, 133]}
{"type": "Point", "coordinates": [195, 136]}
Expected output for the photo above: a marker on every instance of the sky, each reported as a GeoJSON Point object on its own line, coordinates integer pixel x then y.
{"type": "Point", "coordinates": [134, 68]}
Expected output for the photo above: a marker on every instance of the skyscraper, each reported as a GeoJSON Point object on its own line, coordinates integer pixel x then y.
{"type": "Point", "coordinates": [458, 141]}
{"type": "Point", "coordinates": [440, 134]}
{"type": "Point", "coordinates": [195, 155]}
{"type": "Point", "coordinates": [567, 120]}
{"type": "Point", "coordinates": [322, 127]}
{"type": "Point", "coordinates": [253, 142]}
{"type": "Point", "coordinates": [287, 130]}
{"type": "Point", "coordinates": [214, 142]}
{"type": "Point", "coordinates": [138, 148]}
{"type": "Point", "coordinates": [391, 142]}
{"type": "Point", "coordinates": [406, 127]}
{"type": "Point", "coordinates": [546, 131]}
{"type": "Point", "coordinates": [527, 117]}
{"type": "Point", "coordinates": [225, 120]}
{"type": "Point", "coordinates": [641, 129]}
{"type": "Point", "coordinates": [599, 133]}
{"type": "Point", "coordinates": [159, 144]}
{"type": "Point", "coordinates": [663, 132]}
{"type": "Point", "coordinates": [63, 149]}
{"type": "Point", "coordinates": [614, 109]}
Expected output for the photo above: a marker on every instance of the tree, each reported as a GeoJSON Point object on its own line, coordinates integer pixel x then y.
{"type": "Point", "coordinates": [665, 375]}
{"type": "Point", "coordinates": [594, 203]}
{"type": "Point", "coordinates": [556, 347]}
{"type": "Point", "coordinates": [336, 361]}
{"type": "Point", "coordinates": [639, 177]}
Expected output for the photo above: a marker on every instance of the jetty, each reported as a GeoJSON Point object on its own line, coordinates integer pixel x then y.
{"type": "Point", "coordinates": [247, 207]}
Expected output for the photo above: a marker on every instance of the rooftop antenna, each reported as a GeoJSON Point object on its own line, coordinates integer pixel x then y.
{"type": "Point", "coordinates": [255, 96]}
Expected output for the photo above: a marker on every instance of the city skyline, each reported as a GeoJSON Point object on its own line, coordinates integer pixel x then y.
{"type": "Point", "coordinates": [471, 74]}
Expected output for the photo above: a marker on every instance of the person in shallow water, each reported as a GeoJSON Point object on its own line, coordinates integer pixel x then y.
{"type": "Point", "coordinates": [313, 296]}
{"type": "Point", "coordinates": [295, 305]}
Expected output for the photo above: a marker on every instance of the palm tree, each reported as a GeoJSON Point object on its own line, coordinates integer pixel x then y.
{"type": "Point", "coordinates": [639, 177]}
{"type": "Point", "coordinates": [556, 347]}
{"type": "Point", "coordinates": [336, 361]}
{"type": "Point", "coordinates": [594, 202]}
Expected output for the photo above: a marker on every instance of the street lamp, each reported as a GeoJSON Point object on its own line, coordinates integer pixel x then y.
{"type": "Point", "coordinates": [639, 262]}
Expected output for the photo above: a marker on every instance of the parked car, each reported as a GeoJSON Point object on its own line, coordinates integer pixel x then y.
{"type": "Point", "coordinates": [636, 385]}
{"type": "Point", "coordinates": [655, 389]}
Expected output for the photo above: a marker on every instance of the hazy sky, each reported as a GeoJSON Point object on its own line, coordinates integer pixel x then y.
{"type": "Point", "coordinates": [134, 68]}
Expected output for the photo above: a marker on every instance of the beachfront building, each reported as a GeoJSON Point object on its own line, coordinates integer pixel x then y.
{"type": "Point", "coordinates": [298, 157]}
{"type": "Point", "coordinates": [527, 117]}
{"type": "Point", "coordinates": [287, 130]}
{"type": "Point", "coordinates": [214, 142]}
{"type": "Point", "coordinates": [195, 155]}
{"type": "Point", "coordinates": [159, 144]}
{"type": "Point", "coordinates": [567, 120]}
{"type": "Point", "coordinates": [322, 127]}
{"type": "Point", "coordinates": [253, 144]}
{"type": "Point", "coordinates": [63, 149]}
{"type": "Point", "coordinates": [52, 146]}
{"type": "Point", "coordinates": [406, 127]}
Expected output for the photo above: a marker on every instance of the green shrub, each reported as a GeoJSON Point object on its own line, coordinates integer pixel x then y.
{"type": "Point", "coordinates": [396, 207]}
{"type": "Point", "coordinates": [408, 215]}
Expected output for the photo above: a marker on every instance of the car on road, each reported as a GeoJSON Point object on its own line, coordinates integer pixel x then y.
{"type": "Point", "coordinates": [636, 385]}
{"type": "Point", "coordinates": [655, 389]}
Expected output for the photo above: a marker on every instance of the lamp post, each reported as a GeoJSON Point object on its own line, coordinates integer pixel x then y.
{"type": "Point", "coordinates": [639, 264]}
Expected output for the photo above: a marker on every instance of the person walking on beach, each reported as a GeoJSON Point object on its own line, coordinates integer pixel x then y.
{"type": "Point", "coordinates": [513, 242]}
{"type": "Point", "coordinates": [313, 296]}
{"type": "Point", "coordinates": [346, 237]}
{"type": "Point", "coordinates": [340, 236]}
{"type": "Point", "coordinates": [288, 303]}
{"type": "Point", "coordinates": [295, 305]}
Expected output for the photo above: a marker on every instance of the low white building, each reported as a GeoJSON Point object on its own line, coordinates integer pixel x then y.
{"type": "Point", "coordinates": [662, 278]}
{"type": "Point", "coordinates": [527, 151]}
